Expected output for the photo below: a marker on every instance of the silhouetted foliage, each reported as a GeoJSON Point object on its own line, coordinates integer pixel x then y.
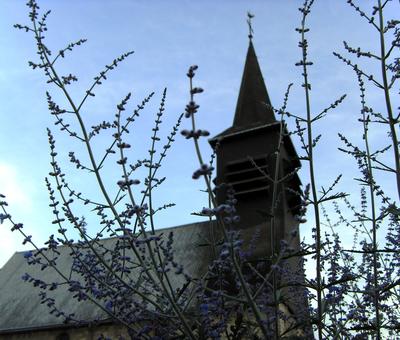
{"type": "Point", "coordinates": [136, 279]}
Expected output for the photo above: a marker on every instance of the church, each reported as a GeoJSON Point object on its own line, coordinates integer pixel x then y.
{"type": "Point", "coordinates": [252, 156]}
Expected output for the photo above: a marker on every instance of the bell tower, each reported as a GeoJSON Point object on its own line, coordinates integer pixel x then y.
{"type": "Point", "coordinates": [256, 158]}
{"type": "Point", "coordinates": [247, 157]}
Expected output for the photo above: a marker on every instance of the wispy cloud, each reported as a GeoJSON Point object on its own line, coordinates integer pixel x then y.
{"type": "Point", "coordinates": [20, 202]}
{"type": "Point", "coordinates": [13, 186]}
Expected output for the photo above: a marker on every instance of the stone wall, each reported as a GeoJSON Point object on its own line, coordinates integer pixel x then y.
{"type": "Point", "coordinates": [81, 333]}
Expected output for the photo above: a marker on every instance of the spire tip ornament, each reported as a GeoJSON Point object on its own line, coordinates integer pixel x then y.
{"type": "Point", "coordinates": [249, 17]}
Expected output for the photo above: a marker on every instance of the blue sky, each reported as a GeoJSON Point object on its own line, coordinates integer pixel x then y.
{"type": "Point", "coordinates": [168, 37]}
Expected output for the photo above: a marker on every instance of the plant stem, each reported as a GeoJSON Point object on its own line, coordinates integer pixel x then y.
{"type": "Point", "coordinates": [392, 121]}
{"type": "Point", "coordinates": [313, 184]}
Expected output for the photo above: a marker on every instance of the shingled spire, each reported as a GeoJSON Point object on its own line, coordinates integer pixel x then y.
{"type": "Point", "coordinates": [253, 106]}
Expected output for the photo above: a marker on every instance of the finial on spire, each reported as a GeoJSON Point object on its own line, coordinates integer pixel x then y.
{"type": "Point", "coordinates": [249, 17]}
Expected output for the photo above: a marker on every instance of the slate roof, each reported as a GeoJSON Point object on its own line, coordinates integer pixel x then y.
{"type": "Point", "coordinates": [20, 308]}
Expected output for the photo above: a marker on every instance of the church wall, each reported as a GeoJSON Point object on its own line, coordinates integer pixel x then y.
{"type": "Point", "coordinates": [81, 333]}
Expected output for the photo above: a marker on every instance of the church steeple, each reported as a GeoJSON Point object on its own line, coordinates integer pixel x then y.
{"type": "Point", "coordinates": [247, 162]}
{"type": "Point", "coordinates": [253, 106]}
{"type": "Point", "coordinates": [246, 151]}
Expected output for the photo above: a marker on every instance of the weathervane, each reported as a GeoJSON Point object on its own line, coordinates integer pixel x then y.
{"type": "Point", "coordinates": [249, 17]}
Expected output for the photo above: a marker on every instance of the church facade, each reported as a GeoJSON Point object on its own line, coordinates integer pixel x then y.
{"type": "Point", "coordinates": [253, 156]}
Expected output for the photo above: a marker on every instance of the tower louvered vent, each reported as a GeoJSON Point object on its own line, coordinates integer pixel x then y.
{"type": "Point", "coordinates": [248, 175]}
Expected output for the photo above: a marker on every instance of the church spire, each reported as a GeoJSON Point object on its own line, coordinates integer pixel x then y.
{"type": "Point", "coordinates": [253, 105]}
{"type": "Point", "coordinates": [246, 147]}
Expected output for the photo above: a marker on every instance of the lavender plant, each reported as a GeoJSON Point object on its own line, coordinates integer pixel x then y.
{"type": "Point", "coordinates": [376, 222]}
{"type": "Point", "coordinates": [304, 125]}
{"type": "Point", "coordinates": [353, 299]}
{"type": "Point", "coordinates": [129, 279]}
{"type": "Point", "coordinates": [135, 279]}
